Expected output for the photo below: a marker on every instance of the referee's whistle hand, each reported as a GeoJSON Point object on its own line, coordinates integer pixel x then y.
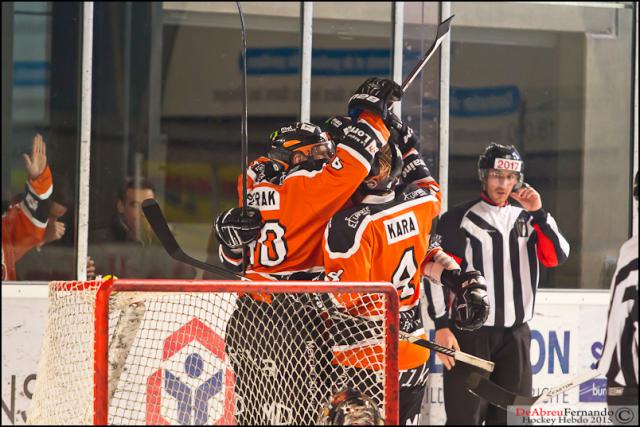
{"type": "Point", "coordinates": [445, 338]}
{"type": "Point", "coordinates": [529, 198]}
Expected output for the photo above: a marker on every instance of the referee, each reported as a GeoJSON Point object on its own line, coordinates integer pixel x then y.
{"type": "Point", "coordinates": [505, 243]}
{"type": "Point", "coordinates": [619, 360]}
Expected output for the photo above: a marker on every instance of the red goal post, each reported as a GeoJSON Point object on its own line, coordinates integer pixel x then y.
{"type": "Point", "coordinates": [129, 351]}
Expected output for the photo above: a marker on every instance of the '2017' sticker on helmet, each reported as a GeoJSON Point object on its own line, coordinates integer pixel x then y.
{"type": "Point", "coordinates": [508, 164]}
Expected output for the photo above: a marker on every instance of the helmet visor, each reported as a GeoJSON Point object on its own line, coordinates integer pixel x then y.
{"type": "Point", "coordinates": [322, 151]}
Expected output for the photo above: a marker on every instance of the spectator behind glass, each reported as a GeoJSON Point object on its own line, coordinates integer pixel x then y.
{"type": "Point", "coordinates": [127, 248]}
{"type": "Point", "coordinates": [54, 257]}
{"type": "Point", "coordinates": [25, 222]}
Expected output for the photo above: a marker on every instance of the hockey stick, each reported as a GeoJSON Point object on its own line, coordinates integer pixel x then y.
{"type": "Point", "coordinates": [323, 306]}
{"type": "Point", "coordinates": [443, 30]}
{"type": "Point", "coordinates": [498, 396]}
{"type": "Point", "coordinates": [461, 356]}
{"type": "Point", "coordinates": [158, 223]}
{"type": "Point", "coordinates": [245, 120]}
{"type": "Point", "coordinates": [243, 129]}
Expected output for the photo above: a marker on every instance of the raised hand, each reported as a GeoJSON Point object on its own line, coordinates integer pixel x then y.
{"type": "Point", "coordinates": [375, 95]}
{"type": "Point", "coordinates": [401, 134]}
{"type": "Point", "coordinates": [528, 197]}
{"type": "Point", "coordinates": [37, 161]}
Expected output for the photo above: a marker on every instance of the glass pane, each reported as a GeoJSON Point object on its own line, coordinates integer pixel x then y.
{"type": "Point", "coordinates": [40, 63]}
{"type": "Point", "coordinates": [169, 104]}
{"type": "Point", "coordinates": [555, 81]}
{"type": "Point", "coordinates": [351, 42]}
{"type": "Point", "coordinates": [421, 101]}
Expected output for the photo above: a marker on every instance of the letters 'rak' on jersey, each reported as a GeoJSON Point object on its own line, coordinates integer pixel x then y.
{"type": "Point", "coordinates": [296, 209]}
{"type": "Point", "coordinates": [385, 239]}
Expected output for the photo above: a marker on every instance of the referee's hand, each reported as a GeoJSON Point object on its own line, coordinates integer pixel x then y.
{"type": "Point", "coordinates": [445, 338]}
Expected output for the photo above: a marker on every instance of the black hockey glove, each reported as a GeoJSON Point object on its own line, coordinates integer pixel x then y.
{"type": "Point", "coordinates": [334, 126]}
{"type": "Point", "coordinates": [374, 95]}
{"type": "Point", "coordinates": [266, 171]}
{"type": "Point", "coordinates": [471, 301]}
{"type": "Point", "coordinates": [401, 134]}
{"type": "Point", "coordinates": [234, 230]}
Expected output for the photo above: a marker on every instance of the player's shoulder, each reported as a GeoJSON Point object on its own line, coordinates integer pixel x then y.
{"type": "Point", "coordinates": [458, 212]}
{"type": "Point", "coordinates": [413, 192]}
{"type": "Point", "coordinates": [629, 249]}
{"type": "Point", "coordinates": [347, 226]}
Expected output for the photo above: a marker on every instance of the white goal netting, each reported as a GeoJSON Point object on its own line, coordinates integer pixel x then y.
{"type": "Point", "coordinates": [205, 352]}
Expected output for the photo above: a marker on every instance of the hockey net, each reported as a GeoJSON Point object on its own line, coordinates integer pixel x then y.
{"type": "Point", "coordinates": [213, 352]}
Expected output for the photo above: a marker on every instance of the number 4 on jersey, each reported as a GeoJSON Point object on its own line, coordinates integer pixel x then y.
{"type": "Point", "coordinates": [404, 273]}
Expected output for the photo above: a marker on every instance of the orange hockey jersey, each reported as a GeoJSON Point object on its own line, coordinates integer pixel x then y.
{"type": "Point", "coordinates": [24, 223]}
{"type": "Point", "coordinates": [296, 209]}
{"type": "Point", "coordinates": [384, 239]}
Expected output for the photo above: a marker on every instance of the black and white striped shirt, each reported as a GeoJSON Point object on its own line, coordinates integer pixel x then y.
{"type": "Point", "coordinates": [505, 243]}
{"type": "Point", "coordinates": [620, 354]}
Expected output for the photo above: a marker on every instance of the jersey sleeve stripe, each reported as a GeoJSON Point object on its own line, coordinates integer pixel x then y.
{"type": "Point", "coordinates": [356, 155]}
{"type": "Point", "coordinates": [42, 186]}
{"type": "Point", "coordinates": [376, 132]}
{"type": "Point", "coordinates": [35, 221]}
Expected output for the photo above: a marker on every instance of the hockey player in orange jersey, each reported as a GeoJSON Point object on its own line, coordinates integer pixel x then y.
{"type": "Point", "coordinates": [283, 229]}
{"type": "Point", "coordinates": [315, 145]}
{"type": "Point", "coordinates": [295, 209]}
{"type": "Point", "coordinates": [385, 237]}
{"type": "Point", "coordinates": [24, 223]}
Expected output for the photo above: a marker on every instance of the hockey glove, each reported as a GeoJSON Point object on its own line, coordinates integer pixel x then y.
{"type": "Point", "coordinates": [375, 95]}
{"type": "Point", "coordinates": [471, 299]}
{"type": "Point", "coordinates": [265, 170]}
{"type": "Point", "coordinates": [335, 126]}
{"type": "Point", "coordinates": [235, 230]}
{"type": "Point", "coordinates": [401, 134]}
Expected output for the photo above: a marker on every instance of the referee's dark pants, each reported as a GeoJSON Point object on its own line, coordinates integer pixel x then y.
{"type": "Point", "coordinates": [508, 348]}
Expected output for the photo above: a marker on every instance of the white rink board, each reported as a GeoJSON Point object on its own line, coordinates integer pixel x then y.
{"type": "Point", "coordinates": [568, 329]}
{"type": "Point", "coordinates": [24, 316]}
{"type": "Point", "coordinates": [567, 333]}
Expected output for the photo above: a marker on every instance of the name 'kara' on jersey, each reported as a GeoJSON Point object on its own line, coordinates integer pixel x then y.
{"type": "Point", "coordinates": [397, 226]}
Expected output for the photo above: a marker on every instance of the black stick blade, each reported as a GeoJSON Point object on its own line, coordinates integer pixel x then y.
{"type": "Point", "coordinates": [443, 29]}
{"type": "Point", "coordinates": [158, 223]}
{"type": "Point", "coordinates": [494, 394]}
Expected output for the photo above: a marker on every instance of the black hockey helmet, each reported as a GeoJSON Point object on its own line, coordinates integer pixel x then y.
{"type": "Point", "coordinates": [302, 137]}
{"type": "Point", "coordinates": [501, 157]}
{"type": "Point", "coordinates": [389, 157]}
